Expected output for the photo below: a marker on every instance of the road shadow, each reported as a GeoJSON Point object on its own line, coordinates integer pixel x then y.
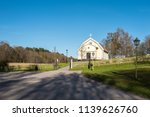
{"type": "Point", "coordinates": [15, 75]}
{"type": "Point", "coordinates": [61, 87]}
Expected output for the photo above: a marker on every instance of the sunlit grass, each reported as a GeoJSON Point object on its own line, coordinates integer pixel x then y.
{"type": "Point", "coordinates": [63, 64]}
{"type": "Point", "coordinates": [45, 67]}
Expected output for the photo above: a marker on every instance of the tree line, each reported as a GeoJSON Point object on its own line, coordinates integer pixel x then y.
{"type": "Point", "coordinates": [28, 55]}
{"type": "Point", "coordinates": [120, 43]}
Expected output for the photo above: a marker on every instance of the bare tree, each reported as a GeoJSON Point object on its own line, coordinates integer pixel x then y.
{"type": "Point", "coordinates": [142, 50]}
{"type": "Point", "coordinates": [119, 43]}
{"type": "Point", "coordinates": [5, 52]}
{"type": "Point", "coordinates": [147, 44]}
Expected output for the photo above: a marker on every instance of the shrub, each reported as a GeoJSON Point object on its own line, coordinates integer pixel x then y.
{"type": "Point", "coordinates": [33, 68]}
{"type": "Point", "coordinates": [4, 67]}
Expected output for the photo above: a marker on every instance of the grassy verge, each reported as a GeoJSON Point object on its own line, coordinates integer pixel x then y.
{"type": "Point", "coordinates": [121, 76]}
{"type": "Point", "coordinates": [45, 67]}
{"type": "Point", "coordinates": [61, 65]}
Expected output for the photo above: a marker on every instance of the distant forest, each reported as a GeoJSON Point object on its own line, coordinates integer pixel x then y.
{"type": "Point", "coordinates": [28, 55]}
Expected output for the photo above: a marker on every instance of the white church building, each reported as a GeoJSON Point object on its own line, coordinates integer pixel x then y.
{"type": "Point", "coordinates": [91, 49]}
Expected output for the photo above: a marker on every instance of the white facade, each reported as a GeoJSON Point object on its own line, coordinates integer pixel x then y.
{"type": "Point", "coordinates": [92, 49]}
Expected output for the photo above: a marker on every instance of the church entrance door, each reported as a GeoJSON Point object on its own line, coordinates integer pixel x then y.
{"type": "Point", "coordinates": [88, 55]}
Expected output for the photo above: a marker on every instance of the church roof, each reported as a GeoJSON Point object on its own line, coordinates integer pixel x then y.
{"type": "Point", "coordinates": [90, 38]}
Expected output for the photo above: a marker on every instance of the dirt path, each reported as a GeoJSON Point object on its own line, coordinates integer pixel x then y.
{"type": "Point", "coordinates": [60, 84]}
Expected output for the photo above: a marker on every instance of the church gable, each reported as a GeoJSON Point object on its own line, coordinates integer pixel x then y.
{"type": "Point", "coordinates": [91, 49]}
{"type": "Point", "coordinates": [91, 42]}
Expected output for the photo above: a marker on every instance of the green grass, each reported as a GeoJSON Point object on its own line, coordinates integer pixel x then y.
{"type": "Point", "coordinates": [61, 65]}
{"type": "Point", "coordinates": [45, 67]}
{"type": "Point", "coordinates": [50, 67]}
{"type": "Point", "coordinates": [121, 76]}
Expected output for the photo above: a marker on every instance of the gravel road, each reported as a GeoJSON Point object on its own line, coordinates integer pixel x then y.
{"type": "Point", "coordinates": [61, 84]}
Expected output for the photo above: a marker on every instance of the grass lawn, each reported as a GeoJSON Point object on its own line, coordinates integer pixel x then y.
{"type": "Point", "coordinates": [31, 66]}
{"type": "Point", "coordinates": [50, 67]}
{"type": "Point", "coordinates": [61, 65]}
{"type": "Point", "coordinates": [121, 76]}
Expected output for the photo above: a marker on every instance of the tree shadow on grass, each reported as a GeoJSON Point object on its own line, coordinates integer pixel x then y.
{"type": "Point", "coordinates": [126, 81]}
{"type": "Point", "coordinates": [143, 76]}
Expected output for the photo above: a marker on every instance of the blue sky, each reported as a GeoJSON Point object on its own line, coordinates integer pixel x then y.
{"type": "Point", "coordinates": [67, 23]}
